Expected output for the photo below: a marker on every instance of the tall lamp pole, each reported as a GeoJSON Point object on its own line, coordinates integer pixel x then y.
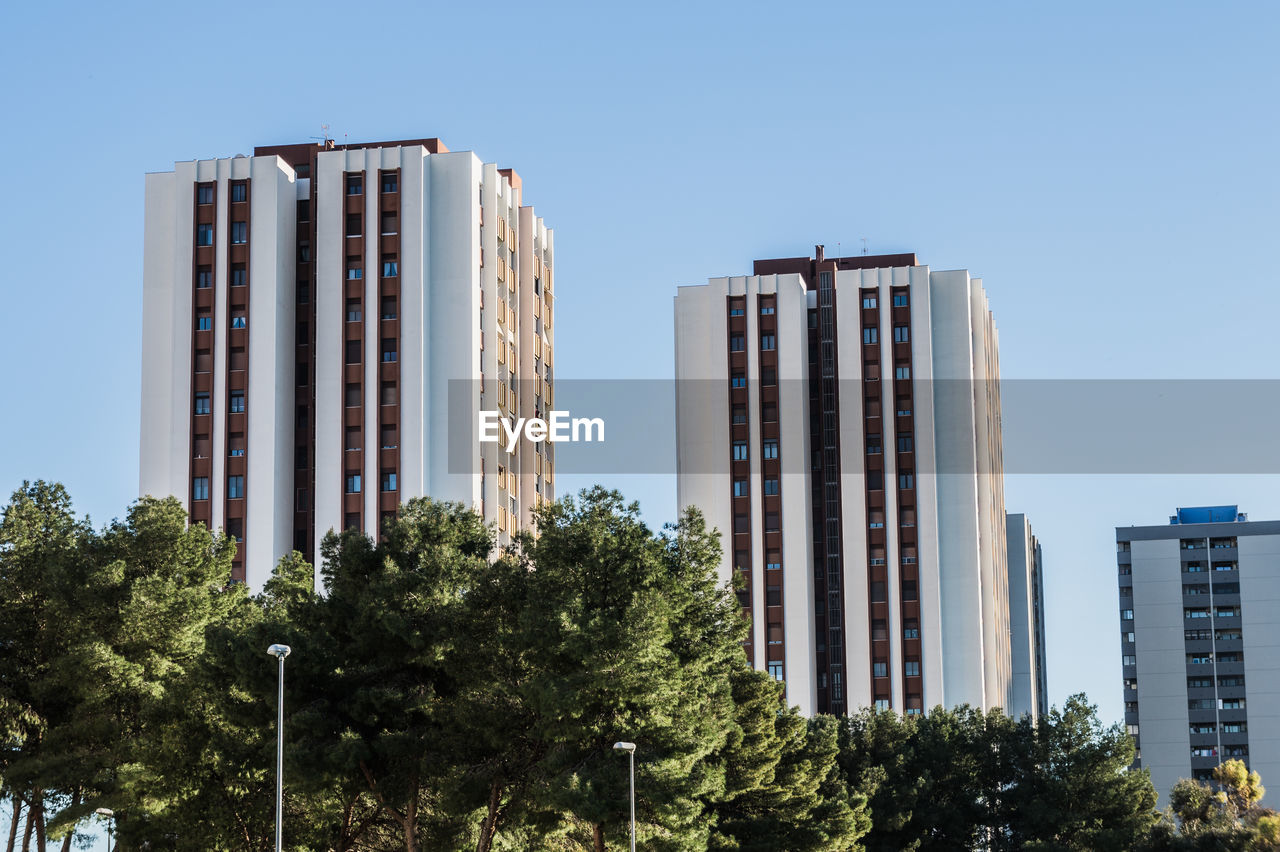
{"type": "Point", "coordinates": [110, 815]}
{"type": "Point", "coordinates": [630, 749]}
{"type": "Point", "coordinates": [279, 652]}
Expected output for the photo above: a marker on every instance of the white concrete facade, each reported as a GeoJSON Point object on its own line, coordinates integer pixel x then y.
{"type": "Point", "coordinates": [965, 646]}
{"type": "Point", "coordinates": [1026, 620]}
{"type": "Point", "coordinates": [474, 331]}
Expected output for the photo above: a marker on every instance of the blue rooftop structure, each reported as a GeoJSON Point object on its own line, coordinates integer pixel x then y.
{"type": "Point", "coordinates": [1208, 515]}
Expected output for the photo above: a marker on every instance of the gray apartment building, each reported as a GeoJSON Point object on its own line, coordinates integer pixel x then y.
{"type": "Point", "coordinates": [1200, 643]}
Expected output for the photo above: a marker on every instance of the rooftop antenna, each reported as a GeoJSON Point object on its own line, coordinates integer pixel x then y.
{"type": "Point", "coordinates": [864, 246]}
{"type": "Point", "coordinates": [326, 139]}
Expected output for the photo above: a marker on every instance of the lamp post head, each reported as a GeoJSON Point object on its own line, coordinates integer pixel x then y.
{"type": "Point", "coordinates": [280, 651]}
{"type": "Point", "coordinates": [629, 747]}
{"type": "Point", "coordinates": [106, 812]}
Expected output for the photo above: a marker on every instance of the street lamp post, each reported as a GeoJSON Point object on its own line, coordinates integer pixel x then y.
{"type": "Point", "coordinates": [630, 749]}
{"type": "Point", "coordinates": [279, 652]}
{"type": "Point", "coordinates": [110, 815]}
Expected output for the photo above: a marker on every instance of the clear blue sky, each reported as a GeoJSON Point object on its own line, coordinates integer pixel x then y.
{"type": "Point", "coordinates": [1109, 169]}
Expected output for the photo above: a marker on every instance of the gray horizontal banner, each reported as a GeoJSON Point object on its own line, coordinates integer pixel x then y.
{"type": "Point", "coordinates": [1049, 426]}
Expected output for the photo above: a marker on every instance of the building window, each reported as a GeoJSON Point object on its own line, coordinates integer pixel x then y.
{"type": "Point", "coordinates": [773, 597]}
{"type": "Point", "coordinates": [204, 322]}
{"type": "Point", "coordinates": [204, 235]}
{"type": "Point", "coordinates": [739, 450]}
{"type": "Point", "coordinates": [741, 560]}
{"type": "Point", "coordinates": [202, 403]}
{"type": "Point", "coordinates": [899, 300]}
{"type": "Point", "coordinates": [879, 630]}
{"type": "Point", "coordinates": [355, 185]}
{"type": "Point", "coordinates": [771, 522]}
{"type": "Point", "coordinates": [390, 182]}
{"type": "Point", "coordinates": [882, 704]}
{"type": "Point", "coordinates": [388, 349]}
{"type": "Point", "coordinates": [354, 313]}
{"type": "Point", "coordinates": [739, 488]}
{"type": "Point", "coordinates": [901, 334]}
{"type": "Point", "coordinates": [390, 223]}
{"type": "Point", "coordinates": [766, 310]}
{"type": "Point", "coordinates": [909, 590]}
{"type": "Point", "coordinates": [1187, 613]}
{"type": "Point", "coordinates": [353, 225]}
{"type": "Point", "coordinates": [741, 524]}
{"type": "Point", "coordinates": [878, 593]}
{"type": "Point", "coordinates": [1126, 615]}
{"type": "Point", "coordinates": [770, 413]}
{"type": "Point", "coordinates": [388, 480]}
{"type": "Point", "coordinates": [870, 334]}
{"type": "Point", "coordinates": [239, 233]}
{"type": "Point", "coordinates": [388, 307]}
{"type": "Point", "coordinates": [902, 372]}
{"type": "Point", "coordinates": [1235, 727]}
{"type": "Point", "coordinates": [353, 352]}
{"type": "Point", "coordinates": [200, 488]}
{"type": "Point", "coordinates": [739, 414]}
{"type": "Point", "coordinates": [869, 300]}
{"type": "Point", "coordinates": [204, 278]}
{"type": "Point", "coordinates": [238, 193]}
{"type": "Point", "coordinates": [736, 343]}
{"type": "Point", "coordinates": [914, 706]}
{"type": "Point", "coordinates": [879, 668]}
{"type": "Point", "coordinates": [1129, 660]}
{"type": "Point", "coordinates": [771, 449]}
{"type": "Point", "coordinates": [239, 275]}
{"type": "Point", "coordinates": [739, 380]}
{"type": "Point", "coordinates": [353, 483]}
{"type": "Point", "coordinates": [770, 487]}
{"type": "Point", "coordinates": [911, 668]}
{"type": "Point", "coordinates": [390, 267]}
{"type": "Point", "coordinates": [775, 669]}
{"type": "Point", "coordinates": [873, 444]}
{"type": "Point", "coordinates": [906, 480]}
{"type": "Point", "coordinates": [204, 194]}
{"type": "Point", "coordinates": [235, 487]}
{"type": "Point", "coordinates": [875, 480]}
{"type": "Point", "coordinates": [388, 393]}
{"type": "Point", "coordinates": [768, 342]}
{"type": "Point", "coordinates": [354, 273]}
{"type": "Point", "coordinates": [768, 377]}
{"type": "Point", "coordinates": [235, 444]}
{"type": "Point", "coordinates": [238, 321]}
{"type": "Point", "coordinates": [235, 529]}
{"type": "Point", "coordinates": [237, 402]}
{"type": "Point", "coordinates": [773, 561]}
{"type": "Point", "coordinates": [837, 686]}
{"type": "Point", "coordinates": [911, 630]}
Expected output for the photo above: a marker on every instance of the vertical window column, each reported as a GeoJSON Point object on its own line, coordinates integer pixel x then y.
{"type": "Point", "coordinates": [740, 466]}
{"type": "Point", "coordinates": [239, 250]}
{"type": "Point", "coordinates": [387, 316]}
{"type": "Point", "coordinates": [359, 257]}
{"type": "Point", "coordinates": [204, 218]}
{"type": "Point", "coordinates": [877, 395]}
{"type": "Point", "coordinates": [905, 465]}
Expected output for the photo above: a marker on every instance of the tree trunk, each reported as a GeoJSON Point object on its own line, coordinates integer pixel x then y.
{"type": "Point", "coordinates": [26, 834]}
{"type": "Point", "coordinates": [490, 825]}
{"type": "Point", "coordinates": [597, 837]}
{"type": "Point", "coordinates": [411, 822]}
{"type": "Point", "coordinates": [13, 823]}
{"type": "Point", "coordinates": [39, 814]}
{"type": "Point", "coordinates": [71, 835]}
